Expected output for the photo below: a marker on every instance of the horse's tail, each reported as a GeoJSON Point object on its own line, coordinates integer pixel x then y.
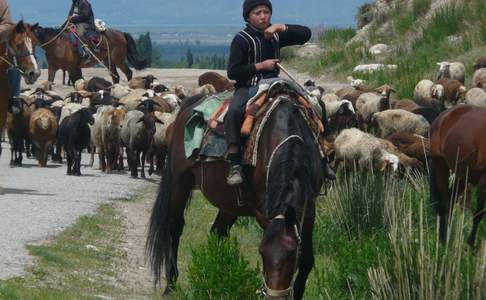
{"type": "Point", "coordinates": [159, 241]}
{"type": "Point", "coordinates": [435, 197]}
{"type": "Point", "coordinates": [134, 58]}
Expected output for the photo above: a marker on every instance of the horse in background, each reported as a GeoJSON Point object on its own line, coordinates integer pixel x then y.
{"type": "Point", "coordinates": [17, 52]}
{"type": "Point", "coordinates": [458, 143]}
{"type": "Point", "coordinates": [115, 49]}
{"type": "Point", "coordinates": [280, 192]}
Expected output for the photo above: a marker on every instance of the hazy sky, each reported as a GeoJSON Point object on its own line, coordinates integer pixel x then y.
{"type": "Point", "coordinates": [146, 12]}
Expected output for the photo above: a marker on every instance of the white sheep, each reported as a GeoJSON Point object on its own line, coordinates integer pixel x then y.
{"type": "Point", "coordinates": [334, 104]}
{"type": "Point", "coordinates": [371, 68]}
{"type": "Point", "coordinates": [476, 97]}
{"type": "Point", "coordinates": [68, 109]}
{"type": "Point", "coordinates": [453, 70]}
{"type": "Point", "coordinates": [370, 103]}
{"type": "Point", "coordinates": [119, 91]}
{"type": "Point", "coordinates": [426, 89]}
{"type": "Point", "coordinates": [80, 85]}
{"type": "Point", "coordinates": [379, 49]}
{"type": "Point", "coordinates": [479, 78]}
{"type": "Point", "coordinates": [399, 120]}
{"type": "Point", "coordinates": [353, 145]}
{"type": "Point", "coordinates": [132, 100]}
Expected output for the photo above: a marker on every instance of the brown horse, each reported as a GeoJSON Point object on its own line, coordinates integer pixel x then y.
{"type": "Point", "coordinates": [115, 48]}
{"type": "Point", "coordinates": [17, 52]}
{"type": "Point", "coordinates": [219, 82]}
{"type": "Point", "coordinates": [279, 192]}
{"type": "Point", "coordinates": [458, 142]}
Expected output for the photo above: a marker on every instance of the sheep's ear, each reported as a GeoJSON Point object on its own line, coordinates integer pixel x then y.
{"type": "Point", "coordinates": [393, 90]}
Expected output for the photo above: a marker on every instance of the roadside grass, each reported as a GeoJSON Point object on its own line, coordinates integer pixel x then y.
{"type": "Point", "coordinates": [82, 262]}
{"type": "Point", "coordinates": [374, 237]}
{"type": "Point", "coordinates": [358, 255]}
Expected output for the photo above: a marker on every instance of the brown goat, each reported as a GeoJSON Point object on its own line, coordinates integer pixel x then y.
{"type": "Point", "coordinates": [480, 63]}
{"type": "Point", "coordinates": [454, 91]}
{"type": "Point", "coordinates": [43, 132]}
{"type": "Point", "coordinates": [111, 121]}
{"type": "Point", "coordinates": [411, 145]}
{"type": "Point", "coordinates": [349, 93]}
{"type": "Point", "coordinates": [219, 82]}
{"type": "Point", "coordinates": [405, 104]}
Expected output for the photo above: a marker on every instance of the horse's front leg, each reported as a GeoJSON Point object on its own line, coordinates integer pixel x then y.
{"type": "Point", "coordinates": [222, 224]}
{"type": "Point", "coordinates": [306, 263]}
{"type": "Point", "coordinates": [51, 71]}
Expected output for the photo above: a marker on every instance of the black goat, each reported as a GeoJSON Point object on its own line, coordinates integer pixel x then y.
{"type": "Point", "coordinates": [17, 129]}
{"type": "Point", "coordinates": [96, 84]}
{"type": "Point", "coordinates": [74, 135]}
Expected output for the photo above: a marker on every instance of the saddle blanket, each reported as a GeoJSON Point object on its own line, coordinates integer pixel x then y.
{"type": "Point", "coordinates": [204, 130]}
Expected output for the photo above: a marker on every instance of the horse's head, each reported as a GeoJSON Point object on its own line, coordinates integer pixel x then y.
{"type": "Point", "coordinates": [21, 50]}
{"type": "Point", "coordinates": [280, 253]}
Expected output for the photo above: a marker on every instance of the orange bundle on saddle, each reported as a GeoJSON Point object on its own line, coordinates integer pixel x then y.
{"type": "Point", "coordinates": [251, 112]}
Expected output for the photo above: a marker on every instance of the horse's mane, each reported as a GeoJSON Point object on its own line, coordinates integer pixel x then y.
{"type": "Point", "coordinates": [190, 101]}
{"type": "Point", "coordinates": [296, 169]}
{"type": "Point", "coordinates": [44, 33]}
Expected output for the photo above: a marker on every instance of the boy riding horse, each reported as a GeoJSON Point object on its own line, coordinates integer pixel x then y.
{"type": "Point", "coordinates": [254, 54]}
{"type": "Point", "coordinates": [82, 16]}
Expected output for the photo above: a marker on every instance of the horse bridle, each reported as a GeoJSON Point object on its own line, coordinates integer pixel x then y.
{"type": "Point", "coordinates": [11, 51]}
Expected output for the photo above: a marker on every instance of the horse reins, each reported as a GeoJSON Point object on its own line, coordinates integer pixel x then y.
{"type": "Point", "coordinates": [93, 55]}
{"type": "Point", "coordinates": [66, 25]}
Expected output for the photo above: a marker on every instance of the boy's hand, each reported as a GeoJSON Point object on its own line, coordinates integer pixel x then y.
{"type": "Point", "coordinates": [267, 65]}
{"type": "Point", "coordinates": [270, 31]}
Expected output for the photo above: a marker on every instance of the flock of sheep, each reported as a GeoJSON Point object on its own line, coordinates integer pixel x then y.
{"type": "Point", "coordinates": [98, 116]}
{"type": "Point", "coordinates": [107, 118]}
{"type": "Point", "coordinates": [400, 126]}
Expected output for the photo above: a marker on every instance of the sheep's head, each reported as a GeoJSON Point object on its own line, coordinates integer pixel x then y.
{"type": "Point", "coordinates": [388, 161]}
{"type": "Point", "coordinates": [310, 83]}
{"type": "Point", "coordinates": [437, 91]}
{"type": "Point", "coordinates": [346, 108]}
{"type": "Point", "coordinates": [180, 92]}
{"type": "Point", "coordinates": [461, 93]}
{"type": "Point", "coordinates": [443, 68]}
{"type": "Point", "coordinates": [385, 90]}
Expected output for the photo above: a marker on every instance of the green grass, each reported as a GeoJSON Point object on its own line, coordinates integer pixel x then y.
{"type": "Point", "coordinates": [374, 237]}
{"type": "Point", "coordinates": [416, 59]}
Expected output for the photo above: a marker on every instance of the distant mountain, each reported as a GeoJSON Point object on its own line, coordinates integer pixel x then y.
{"type": "Point", "coordinates": [208, 12]}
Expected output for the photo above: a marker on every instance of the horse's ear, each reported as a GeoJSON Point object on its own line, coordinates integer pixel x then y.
{"type": "Point", "coordinates": [34, 27]}
{"type": "Point", "coordinates": [20, 27]}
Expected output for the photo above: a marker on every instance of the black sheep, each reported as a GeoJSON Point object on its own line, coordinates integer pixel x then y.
{"type": "Point", "coordinates": [74, 135]}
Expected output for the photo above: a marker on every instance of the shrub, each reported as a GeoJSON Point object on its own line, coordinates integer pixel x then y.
{"type": "Point", "coordinates": [219, 271]}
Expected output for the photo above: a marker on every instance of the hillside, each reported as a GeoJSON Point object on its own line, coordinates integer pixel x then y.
{"type": "Point", "coordinates": [420, 33]}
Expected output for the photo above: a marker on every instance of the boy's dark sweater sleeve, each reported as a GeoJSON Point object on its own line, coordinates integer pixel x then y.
{"type": "Point", "coordinates": [238, 67]}
{"type": "Point", "coordinates": [295, 35]}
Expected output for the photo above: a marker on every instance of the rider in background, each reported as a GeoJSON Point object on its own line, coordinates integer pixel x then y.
{"type": "Point", "coordinates": [254, 53]}
{"type": "Point", "coordinates": [5, 24]}
{"type": "Point", "coordinates": [82, 16]}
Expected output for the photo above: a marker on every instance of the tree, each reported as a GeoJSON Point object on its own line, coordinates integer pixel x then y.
{"type": "Point", "coordinates": [189, 58]}
{"type": "Point", "coordinates": [144, 46]}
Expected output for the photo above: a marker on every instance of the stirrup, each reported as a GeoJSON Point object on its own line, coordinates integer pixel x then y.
{"type": "Point", "coordinates": [235, 176]}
